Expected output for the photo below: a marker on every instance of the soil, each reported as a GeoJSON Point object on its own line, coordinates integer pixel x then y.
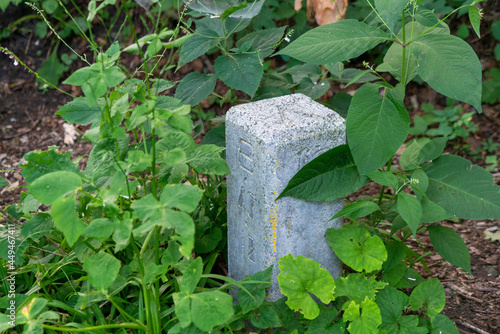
{"type": "Point", "coordinates": [27, 123]}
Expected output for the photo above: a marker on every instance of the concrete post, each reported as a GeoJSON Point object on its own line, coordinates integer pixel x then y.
{"type": "Point", "coordinates": [267, 142]}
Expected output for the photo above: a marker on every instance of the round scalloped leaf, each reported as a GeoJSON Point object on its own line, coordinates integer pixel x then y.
{"type": "Point", "coordinates": [301, 276]}
{"type": "Point", "coordinates": [430, 295]}
{"type": "Point", "coordinates": [357, 248]}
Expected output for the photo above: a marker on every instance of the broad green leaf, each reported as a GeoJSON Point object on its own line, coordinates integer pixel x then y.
{"type": "Point", "coordinates": [79, 111]}
{"type": "Point", "coordinates": [442, 324]}
{"type": "Point", "coordinates": [102, 269]}
{"type": "Point", "coordinates": [34, 326]}
{"type": "Point", "coordinates": [38, 226]}
{"type": "Point", "coordinates": [450, 246]}
{"type": "Point", "coordinates": [393, 58]}
{"type": "Point", "coordinates": [335, 42]}
{"type": "Point", "coordinates": [191, 276]}
{"type": "Point", "coordinates": [394, 275]}
{"type": "Point", "coordinates": [410, 279]}
{"type": "Point", "coordinates": [429, 295]}
{"type": "Point", "coordinates": [6, 322]}
{"type": "Point", "coordinates": [395, 254]}
{"type": "Point", "coordinates": [41, 163]}
{"type": "Point", "coordinates": [3, 182]}
{"type": "Point", "coordinates": [181, 196]}
{"type": "Point", "coordinates": [100, 228]}
{"type": "Point", "coordinates": [195, 87]}
{"type": "Point", "coordinates": [175, 139]}
{"type": "Point", "coordinates": [240, 71]}
{"type": "Point", "coordinates": [298, 278]}
{"type": "Point", "coordinates": [331, 175]}
{"type": "Point", "coordinates": [113, 76]}
{"type": "Point", "coordinates": [358, 209]}
{"type": "Point", "coordinates": [195, 47]}
{"type": "Point", "coordinates": [462, 189]}
{"type": "Point", "coordinates": [357, 249]}
{"type": "Point", "coordinates": [137, 161]}
{"type": "Point", "coordinates": [121, 235]}
{"type": "Point", "coordinates": [421, 150]}
{"type": "Point", "coordinates": [314, 90]}
{"type": "Point", "coordinates": [257, 291]}
{"type": "Point", "coordinates": [364, 318]}
{"type": "Point", "coordinates": [376, 128]}
{"type": "Point", "coordinates": [218, 7]}
{"type": "Point", "coordinates": [205, 159]}
{"type": "Point", "coordinates": [34, 308]}
{"type": "Point", "coordinates": [182, 308]}
{"type": "Point", "coordinates": [392, 304]}
{"type": "Point", "coordinates": [357, 287]}
{"type": "Point", "coordinates": [53, 186]}
{"type": "Point", "coordinates": [410, 209]}
{"type": "Point", "coordinates": [475, 19]}
{"type": "Point", "coordinates": [437, 54]}
{"type": "Point", "coordinates": [390, 11]}
{"type": "Point", "coordinates": [64, 216]}
{"type": "Point", "coordinates": [152, 272]}
{"type": "Point", "coordinates": [431, 212]}
{"type": "Point", "coordinates": [419, 182]}
{"type": "Point", "coordinates": [211, 308]}
{"type": "Point", "coordinates": [263, 40]}
{"type": "Point", "coordinates": [232, 10]}
{"type": "Point", "coordinates": [385, 178]}
{"type": "Point", "coordinates": [265, 317]}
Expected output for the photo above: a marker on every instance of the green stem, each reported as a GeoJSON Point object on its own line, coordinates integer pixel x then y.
{"type": "Point", "coordinates": [403, 67]}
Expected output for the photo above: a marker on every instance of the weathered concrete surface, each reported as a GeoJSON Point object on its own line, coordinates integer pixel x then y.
{"type": "Point", "coordinates": [267, 143]}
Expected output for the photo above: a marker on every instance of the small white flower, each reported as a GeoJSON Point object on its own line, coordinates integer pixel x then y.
{"type": "Point", "coordinates": [15, 62]}
{"type": "Point", "coordinates": [287, 39]}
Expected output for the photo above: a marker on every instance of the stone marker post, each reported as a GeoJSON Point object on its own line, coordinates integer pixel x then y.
{"type": "Point", "coordinates": [267, 142]}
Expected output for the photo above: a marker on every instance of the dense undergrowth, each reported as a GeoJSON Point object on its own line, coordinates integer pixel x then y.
{"type": "Point", "coordinates": [130, 243]}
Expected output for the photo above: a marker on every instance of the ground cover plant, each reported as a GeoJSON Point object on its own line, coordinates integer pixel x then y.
{"type": "Point", "coordinates": [131, 241]}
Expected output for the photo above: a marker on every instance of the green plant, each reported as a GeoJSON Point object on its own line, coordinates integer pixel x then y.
{"type": "Point", "coordinates": [452, 122]}
{"type": "Point", "coordinates": [426, 187]}
{"type": "Point", "coordinates": [129, 242]}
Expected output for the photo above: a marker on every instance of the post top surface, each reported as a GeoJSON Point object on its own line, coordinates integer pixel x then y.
{"type": "Point", "coordinates": [268, 118]}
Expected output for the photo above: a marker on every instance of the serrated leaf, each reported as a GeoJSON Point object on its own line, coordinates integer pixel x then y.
{"type": "Point", "coordinates": [357, 286]}
{"type": "Point", "coordinates": [437, 54]}
{"type": "Point", "coordinates": [331, 175]}
{"type": "Point", "coordinates": [475, 19]}
{"type": "Point", "coordinates": [335, 42]}
{"type": "Point", "coordinates": [53, 186]}
{"type": "Point", "coordinates": [364, 318]}
{"type": "Point", "coordinates": [205, 159]}
{"type": "Point", "coordinates": [79, 111]}
{"type": "Point", "coordinates": [102, 269]}
{"type": "Point", "coordinates": [429, 295]}
{"type": "Point", "coordinates": [195, 47]}
{"type": "Point", "coordinates": [195, 87]}
{"type": "Point", "coordinates": [392, 303]}
{"type": "Point", "coordinates": [410, 209]}
{"type": "Point", "coordinates": [41, 163]}
{"type": "Point", "coordinates": [298, 278]}
{"type": "Point", "coordinates": [376, 127]}
{"type": "Point", "coordinates": [358, 209]}
{"type": "Point", "coordinates": [462, 189]}
{"type": "Point", "coordinates": [100, 228]}
{"type": "Point", "coordinates": [240, 71]}
{"type": "Point", "coordinates": [113, 76]}
{"type": "Point", "coordinates": [450, 246]}
{"type": "Point", "coordinates": [262, 40]}
{"type": "Point", "coordinates": [357, 249]}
